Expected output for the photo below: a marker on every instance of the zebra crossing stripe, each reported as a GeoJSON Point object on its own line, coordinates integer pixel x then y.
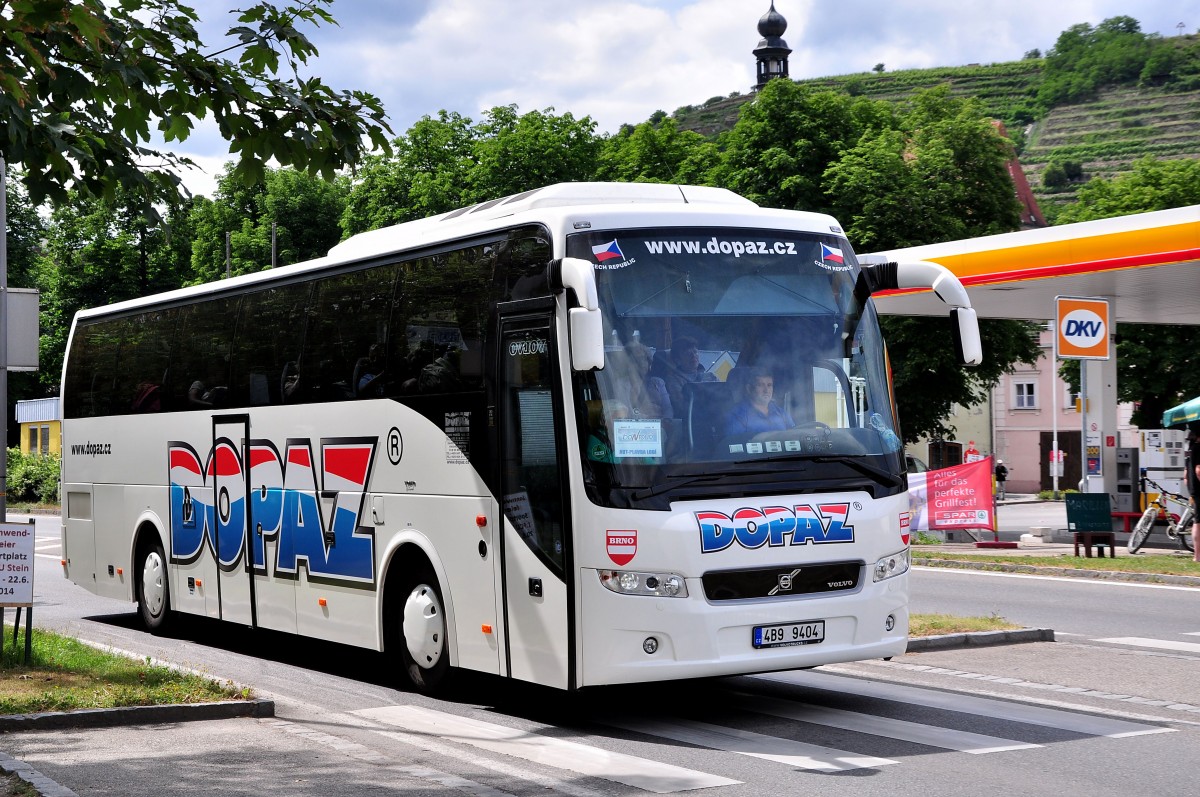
{"type": "Point", "coordinates": [931, 735]}
{"type": "Point", "coordinates": [756, 745]}
{"type": "Point", "coordinates": [640, 773]}
{"type": "Point", "coordinates": [1087, 724]}
{"type": "Point", "coordinates": [1157, 644]}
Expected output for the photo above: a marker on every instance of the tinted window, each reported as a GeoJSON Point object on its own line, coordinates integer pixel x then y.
{"type": "Point", "coordinates": [266, 360]}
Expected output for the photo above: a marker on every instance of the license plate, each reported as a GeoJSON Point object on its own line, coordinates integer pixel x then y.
{"type": "Point", "coordinates": [779, 636]}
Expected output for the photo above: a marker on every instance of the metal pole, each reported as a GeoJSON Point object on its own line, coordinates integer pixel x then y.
{"type": "Point", "coordinates": [226, 255]}
{"type": "Point", "coordinates": [1083, 449]}
{"type": "Point", "coordinates": [272, 244]}
{"type": "Point", "coordinates": [3, 339]}
{"type": "Point", "coordinates": [1054, 388]}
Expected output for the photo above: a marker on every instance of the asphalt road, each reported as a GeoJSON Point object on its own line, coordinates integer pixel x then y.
{"type": "Point", "coordinates": [1082, 715]}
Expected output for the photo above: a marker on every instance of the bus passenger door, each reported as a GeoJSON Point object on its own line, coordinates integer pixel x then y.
{"type": "Point", "coordinates": [536, 552]}
{"type": "Point", "coordinates": [235, 589]}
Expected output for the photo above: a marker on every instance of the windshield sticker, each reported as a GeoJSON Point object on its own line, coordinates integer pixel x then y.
{"type": "Point", "coordinates": [775, 526]}
{"type": "Point", "coordinates": [637, 439]}
{"type": "Point", "coordinates": [832, 259]}
{"type": "Point", "coordinates": [715, 246]}
{"type": "Point", "coordinates": [608, 251]}
{"type": "Point", "coordinates": [610, 256]}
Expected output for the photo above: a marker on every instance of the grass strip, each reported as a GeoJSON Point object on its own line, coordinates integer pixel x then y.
{"type": "Point", "coordinates": [1154, 564]}
{"type": "Point", "coordinates": [63, 674]}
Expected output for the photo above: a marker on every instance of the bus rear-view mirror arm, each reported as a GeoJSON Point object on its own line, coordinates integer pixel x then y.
{"type": "Point", "coordinates": [883, 275]}
{"type": "Point", "coordinates": [585, 323]}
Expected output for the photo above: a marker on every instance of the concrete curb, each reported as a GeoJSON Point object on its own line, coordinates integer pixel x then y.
{"type": "Point", "coordinates": [136, 715]}
{"type": "Point", "coordinates": [1071, 572]}
{"type": "Point", "coordinates": [979, 639]}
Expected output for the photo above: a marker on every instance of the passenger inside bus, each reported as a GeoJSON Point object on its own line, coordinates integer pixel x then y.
{"type": "Point", "coordinates": [681, 367]}
{"type": "Point", "coordinates": [645, 395]}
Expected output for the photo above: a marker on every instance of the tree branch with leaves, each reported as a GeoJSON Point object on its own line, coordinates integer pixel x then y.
{"type": "Point", "coordinates": [86, 85]}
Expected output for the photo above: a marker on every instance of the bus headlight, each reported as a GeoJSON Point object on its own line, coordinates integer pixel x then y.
{"type": "Point", "coordinates": [631, 582]}
{"type": "Point", "coordinates": [892, 565]}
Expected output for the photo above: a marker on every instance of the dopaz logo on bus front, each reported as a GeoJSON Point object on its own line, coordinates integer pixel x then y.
{"type": "Point", "coordinates": [1082, 328]}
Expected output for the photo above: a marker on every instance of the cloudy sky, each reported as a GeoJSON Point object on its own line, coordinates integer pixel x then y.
{"type": "Point", "coordinates": [619, 61]}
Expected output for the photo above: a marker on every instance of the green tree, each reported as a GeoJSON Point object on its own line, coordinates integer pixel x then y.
{"type": "Point", "coordinates": [98, 252]}
{"type": "Point", "coordinates": [517, 152]}
{"type": "Point", "coordinates": [303, 210]}
{"type": "Point", "coordinates": [449, 162]}
{"type": "Point", "coordinates": [782, 143]}
{"type": "Point", "coordinates": [1085, 59]}
{"type": "Point", "coordinates": [86, 84]}
{"type": "Point", "coordinates": [656, 153]}
{"type": "Point", "coordinates": [424, 175]}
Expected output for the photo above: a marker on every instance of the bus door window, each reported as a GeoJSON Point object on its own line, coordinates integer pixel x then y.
{"type": "Point", "coordinates": [532, 487]}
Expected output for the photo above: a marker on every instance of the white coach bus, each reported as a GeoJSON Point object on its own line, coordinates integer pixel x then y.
{"type": "Point", "coordinates": [589, 434]}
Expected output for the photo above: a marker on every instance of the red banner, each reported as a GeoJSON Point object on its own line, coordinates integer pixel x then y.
{"type": "Point", "coordinates": [961, 497]}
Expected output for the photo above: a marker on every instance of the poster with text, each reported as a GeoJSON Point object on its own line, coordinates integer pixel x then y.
{"type": "Point", "coordinates": [959, 497]}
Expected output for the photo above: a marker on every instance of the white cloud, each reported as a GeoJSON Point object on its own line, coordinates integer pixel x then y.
{"type": "Point", "coordinates": [619, 61]}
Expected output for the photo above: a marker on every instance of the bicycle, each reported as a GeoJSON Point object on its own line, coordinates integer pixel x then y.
{"type": "Point", "coordinates": [1179, 527]}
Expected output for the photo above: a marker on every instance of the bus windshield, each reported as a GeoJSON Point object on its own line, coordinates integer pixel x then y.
{"type": "Point", "coordinates": [737, 361]}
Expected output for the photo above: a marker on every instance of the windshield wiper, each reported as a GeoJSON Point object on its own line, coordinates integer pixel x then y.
{"type": "Point", "coordinates": [879, 475]}
{"type": "Point", "coordinates": [673, 480]}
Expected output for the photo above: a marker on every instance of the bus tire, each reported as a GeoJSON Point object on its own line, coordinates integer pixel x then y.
{"type": "Point", "coordinates": [154, 588]}
{"type": "Point", "coordinates": [418, 630]}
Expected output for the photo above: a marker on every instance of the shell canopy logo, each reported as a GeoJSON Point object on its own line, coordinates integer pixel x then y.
{"type": "Point", "coordinates": [1083, 329]}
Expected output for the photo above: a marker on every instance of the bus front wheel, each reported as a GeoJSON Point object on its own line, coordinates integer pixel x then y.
{"type": "Point", "coordinates": [419, 630]}
{"type": "Point", "coordinates": [154, 591]}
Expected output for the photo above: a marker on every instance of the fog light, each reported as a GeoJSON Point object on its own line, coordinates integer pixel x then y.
{"type": "Point", "coordinates": [889, 623]}
{"type": "Point", "coordinates": [650, 645]}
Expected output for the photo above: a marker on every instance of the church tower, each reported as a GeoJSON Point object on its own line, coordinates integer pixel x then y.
{"type": "Point", "coordinates": [772, 51]}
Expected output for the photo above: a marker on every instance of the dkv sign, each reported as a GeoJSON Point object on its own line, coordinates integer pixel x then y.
{"type": "Point", "coordinates": [1083, 327]}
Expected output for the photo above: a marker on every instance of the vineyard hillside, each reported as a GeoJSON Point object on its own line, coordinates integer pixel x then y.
{"type": "Point", "coordinates": [1100, 137]}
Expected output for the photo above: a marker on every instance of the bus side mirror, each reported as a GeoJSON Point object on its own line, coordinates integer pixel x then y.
{"type": "Point", "coordinates": [586, 327]}
{"type": "Point", "coordinates": [967, 343]}
{"type": "Point", "coordinates": [587, 339]}
{"type": "Point", "coordinates": [884, 275]}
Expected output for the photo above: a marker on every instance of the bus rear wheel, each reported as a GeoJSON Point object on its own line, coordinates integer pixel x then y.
{"type": "Point", "coordinates": [154, 589]}
{"type": "Point", "coordinates": [419, 632]}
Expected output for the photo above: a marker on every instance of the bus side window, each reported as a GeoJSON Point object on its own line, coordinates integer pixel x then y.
{"type": "Point", "coordinates": [270, 330]}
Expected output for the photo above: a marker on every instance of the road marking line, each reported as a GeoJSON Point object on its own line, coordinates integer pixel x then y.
{"type": "Point", "coordinates": [969, 704]}
{"type": "Point", "coordinates": [1064, 579]}
{"type": "Point", "coordinates": [595, 762]}
{"type": "Point", "coordinates": [1159, 644]}
{"type": "Point", "coordinates": [755, 745]}
{"type": "Point", "coordinates": [931, 735]}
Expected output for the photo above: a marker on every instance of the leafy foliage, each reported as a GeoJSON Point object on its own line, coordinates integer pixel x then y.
{"type": "Point", "coordinates": [84, 83]}
{"type": "Point", "coordinates": [32, 478]}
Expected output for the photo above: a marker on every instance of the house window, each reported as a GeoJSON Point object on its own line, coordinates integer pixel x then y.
{"type": "Point", "coordinates": [33, 439]}
{"type": "Point", "coordinates": [1026, 395]}
{"type": "Point", "coordinates": [45, 440]}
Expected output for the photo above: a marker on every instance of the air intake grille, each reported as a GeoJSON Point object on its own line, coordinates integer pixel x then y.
{"type": "Point", "coordinates": [782, 582]}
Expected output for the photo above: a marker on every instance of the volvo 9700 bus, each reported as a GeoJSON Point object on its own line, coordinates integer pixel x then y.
{"type": "Point", "coordinates": [589, 434]}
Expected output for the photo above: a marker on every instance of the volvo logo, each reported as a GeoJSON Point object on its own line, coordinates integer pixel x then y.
{"type": "Point", "coordinates": [785, 582]}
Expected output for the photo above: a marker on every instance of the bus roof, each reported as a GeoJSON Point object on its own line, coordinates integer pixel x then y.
{"type": "Point", "coordinates": [548, 205]}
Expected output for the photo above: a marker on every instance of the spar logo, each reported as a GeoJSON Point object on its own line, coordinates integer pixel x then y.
{"type": "Point", "coordinates": [309, 507]}
{"type": "Point", "coordinates": [775, 526]}
{"type": "Point", "coordinates": [622, 545]}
